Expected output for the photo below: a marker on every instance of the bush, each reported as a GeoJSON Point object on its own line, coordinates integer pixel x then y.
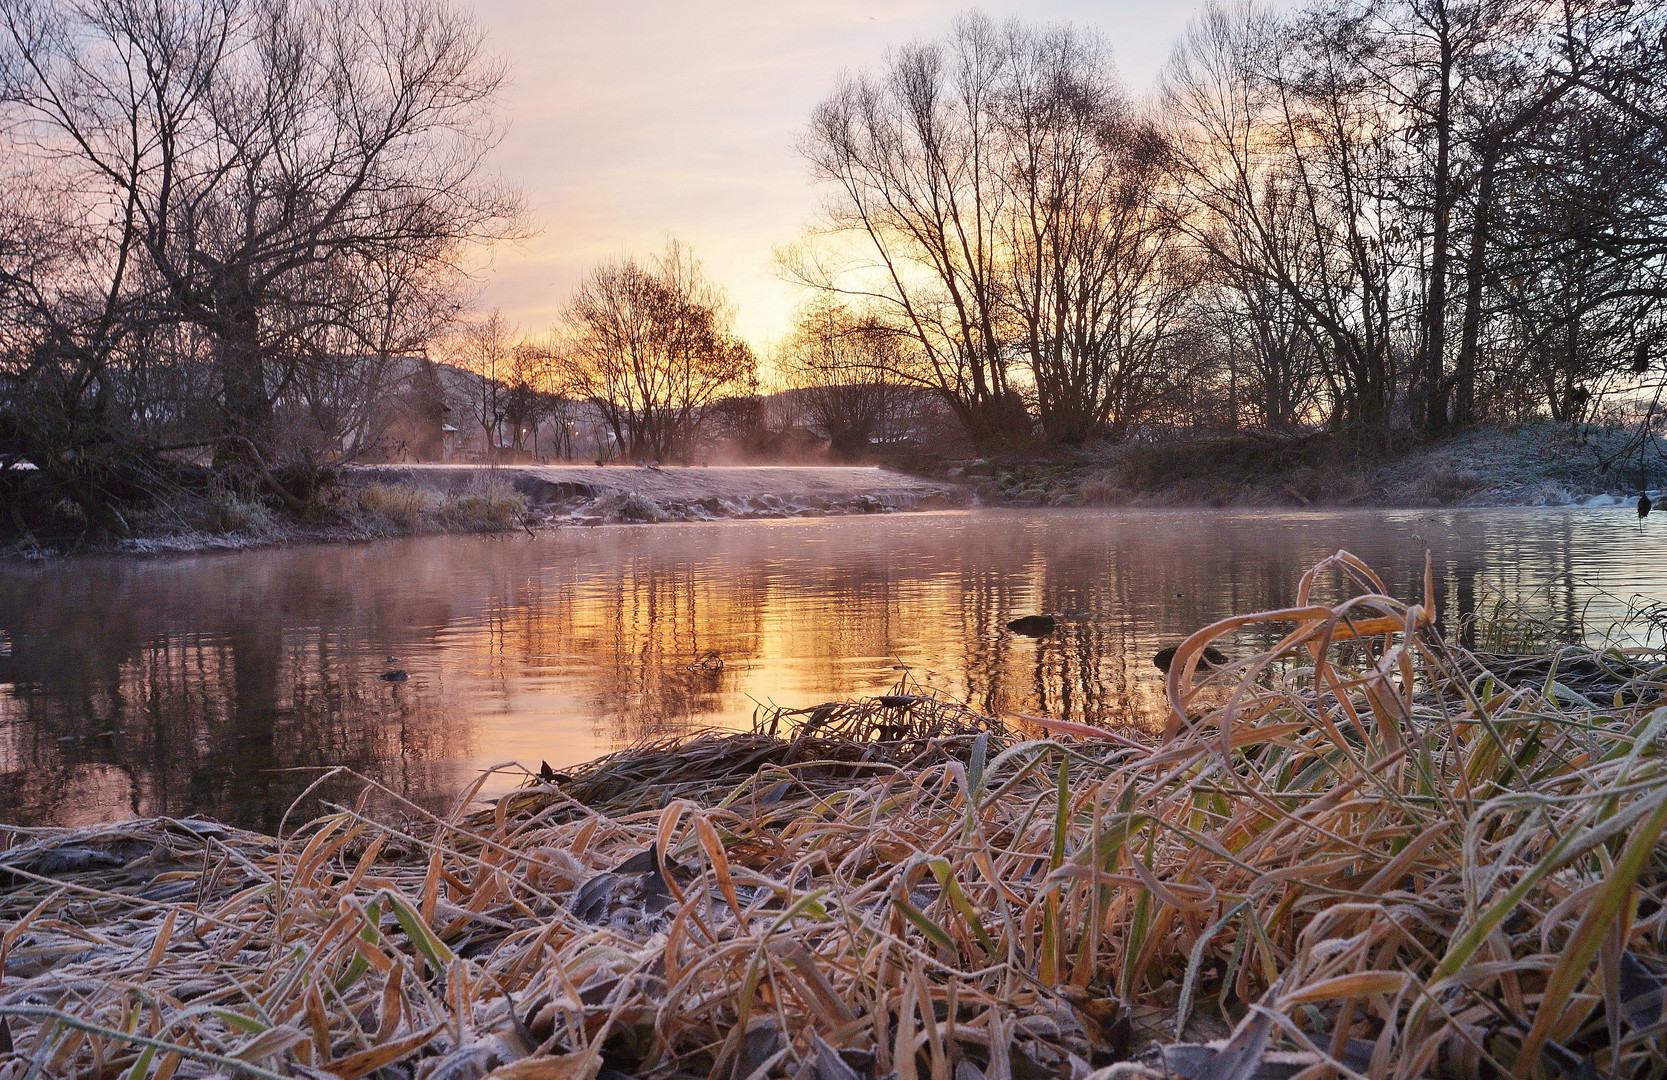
{"type": "Point", "coordinates": [628, 506]}
{"type": "Point", "coordinates": [1444, 484]}
{"type": "Point", "coordinates": [485, 504]}
{"type": "Point", "coordinates": [1097, 492]}
{"type": "Point", "coordinates": [1238, 459]}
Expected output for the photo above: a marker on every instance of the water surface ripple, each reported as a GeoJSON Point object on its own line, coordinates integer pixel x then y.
{"type": "Point", "coordinates": [219, 684]}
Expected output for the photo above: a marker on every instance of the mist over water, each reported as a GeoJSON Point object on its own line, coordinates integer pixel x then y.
{"type": "Point", "coordinates": [222, 684]}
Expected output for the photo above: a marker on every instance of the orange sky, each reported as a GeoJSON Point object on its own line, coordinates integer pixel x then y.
{"type": "Point", "coordinates": [631, 120]}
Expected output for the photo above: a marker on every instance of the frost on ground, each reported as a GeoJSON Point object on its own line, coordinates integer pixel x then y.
{"type": "Point", "coordinates": [619, 507]}
{"type": "Point", "coordinates": [363, 511]}
{"type": "Point", "coordinates": [1537, 465]}
{"type": "Point", "coordinates": [1534, 465]}
{"type": "Point", "coordinates": [588, 495]}
{"type": "Point", "coordinates": [411, 500]}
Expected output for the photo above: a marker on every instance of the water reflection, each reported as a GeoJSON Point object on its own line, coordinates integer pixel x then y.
{"type": "Point", "coordinates": [220, 684]}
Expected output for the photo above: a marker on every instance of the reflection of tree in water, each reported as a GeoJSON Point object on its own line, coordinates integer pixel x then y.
{"type": "Point", "coordinates": [125, 718]}
{"type": "Point", "coordinates": [640, 625]}
{"type": "Point", "coordinates": [171, 687]}
{"type": "Point", "coordinates": [1126, 594]}
{"type": "Point", "coordinates": [652, 622]}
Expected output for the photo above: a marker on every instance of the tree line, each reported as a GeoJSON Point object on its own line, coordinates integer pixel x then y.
{"type": "Point", "coordinates": [1362, 215]}
{"type": "Point", "coordinates": [227, 227]}
{"type": "Point", "coordinates": [220, 221]}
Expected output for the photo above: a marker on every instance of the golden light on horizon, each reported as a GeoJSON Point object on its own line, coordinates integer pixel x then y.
{"type": "Point", "coordinates": [631, 122]}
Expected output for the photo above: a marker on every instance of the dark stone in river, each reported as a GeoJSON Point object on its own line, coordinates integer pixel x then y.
{"type": "Point", "coordinates": [1213, 656]}
{"type": "Point", "coordinates": [1033, 625]}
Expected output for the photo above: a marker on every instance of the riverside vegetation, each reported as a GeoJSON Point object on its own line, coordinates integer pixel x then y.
{"type": "Point", "coordinates": [222, 519]}
{"type": "Point", "coordinates": [1537, 464]}
{"type": "Point", "coordinates": [1358, 850]}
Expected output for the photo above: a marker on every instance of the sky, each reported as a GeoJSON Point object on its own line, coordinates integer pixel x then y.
{"type": "Point", "coordinates": [630, 121]}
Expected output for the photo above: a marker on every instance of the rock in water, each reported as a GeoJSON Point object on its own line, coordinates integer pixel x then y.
{"type": "Point", "coordinates": [1033, 625]}
{"type": "Point", "coordinates": [1213, 656]}
{"type": "Point", "coordinates": [1643, 507]}
{"type": "Point", "coordinates": [394, 676]}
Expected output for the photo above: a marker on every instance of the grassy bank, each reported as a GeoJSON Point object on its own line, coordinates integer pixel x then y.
{"type": "Point", "coordinates": [1535, 465]}
{"type": "Point", "coordinates": [1357, 850]}
{"type": "Point", "coordinates": [375, 502]}
{"type": "Point", "coordinates": [222, 521]}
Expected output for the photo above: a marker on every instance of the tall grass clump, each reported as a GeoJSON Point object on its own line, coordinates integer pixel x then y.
{"type": "Point", "coordinates": [485, 504]}
{"type": "Point", "coordinates": [1358, 852]}
{"type": "Point", "coordinates": [403, 505]}
{"type": "Point", "coordinates": [489, 502]}
{"type": "Point", "coordinates": [224, 512]}
{"type": "Point", "coordinates": [628, 506]}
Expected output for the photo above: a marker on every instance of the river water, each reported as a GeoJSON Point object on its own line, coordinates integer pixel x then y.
{"type": "Point", "coordinates": [221, 684]}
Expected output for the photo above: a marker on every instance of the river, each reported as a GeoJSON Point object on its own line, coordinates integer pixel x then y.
{"type": "Point", "coordinates": [221, 684]}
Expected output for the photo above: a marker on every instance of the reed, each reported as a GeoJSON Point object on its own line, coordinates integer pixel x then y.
{"type": "Point", "coordinates": [1359, 852]}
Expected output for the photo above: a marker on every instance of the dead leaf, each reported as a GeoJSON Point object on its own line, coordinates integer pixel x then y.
{"type": "Point", "coordinates": [577, 1066]}
{"type": "Point", "coordinates": [366, 1062]}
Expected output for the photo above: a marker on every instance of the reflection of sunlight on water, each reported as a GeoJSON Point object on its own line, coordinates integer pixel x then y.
{"type": "Point", "coordinates": [180, 685]}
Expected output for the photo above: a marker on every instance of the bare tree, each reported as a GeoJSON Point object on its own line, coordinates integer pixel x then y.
{"type": "Point", "coordinates": [273, 185]}
{"type": "Point", "coordinates": [842, 371]}
{"type": "Point", "coordinates": [1093, 285]}
{"type": "Point", "coordinates": [1286, 163]}
{"type": "Point", "coordinates": [1015, 205]}
{"type": "Point", "coordinates": [652, 348]}
{"type": "Point", "coordinates": [484, 356]}
{"type": "Point", "coordinates": [529, 385]}
{"type": "Point", "coordinates": [910, 153]}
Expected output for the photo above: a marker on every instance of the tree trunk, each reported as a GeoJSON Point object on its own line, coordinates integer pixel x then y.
{"type": "Point", "coordinates": [1432, 382]}
{"type": "Point", "coordinates": [1464, 375]}
{"type": "Point", "coordinates": [241, 366]}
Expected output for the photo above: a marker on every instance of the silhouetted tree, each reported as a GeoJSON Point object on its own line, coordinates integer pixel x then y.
{"type": "Point", "coordinates": [237, 196]}
{"type": "Point", "coordinates": [843, 371]}
{"type": "Point", "coordinates": [652, 348]}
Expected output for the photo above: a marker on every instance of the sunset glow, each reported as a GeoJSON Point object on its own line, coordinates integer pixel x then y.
{"type": "Point", "coordinates": [632, 121]}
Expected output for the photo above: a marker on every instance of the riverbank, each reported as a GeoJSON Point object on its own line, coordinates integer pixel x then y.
{"type": "Point", "coordinates": [1382, 854]}
{"type": "Point", "coordinates": [385, 501]}
{"type": "Point", "coordinates": [1541, 464]}
{"type": "Point", "coordinates": [592, 495]}
{"type": "Point", "coordinates": [1533, 465]}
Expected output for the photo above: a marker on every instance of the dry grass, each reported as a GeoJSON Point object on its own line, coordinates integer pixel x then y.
{"type": "Point", "coordinates": [1373, 853]}
{"type": "Point", "coordinates": [223, 512]}
{"type": "Point", "coordinates": [628, 506]}
{"type": "Point", "coordinates": [405, 505]}
{"type": "Point", "coordinates": [488, 503]}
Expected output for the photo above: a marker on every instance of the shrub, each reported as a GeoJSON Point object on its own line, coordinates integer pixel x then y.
{"type": "Point", "coordinates": [1445, 484]}
{"type": "Point", "coordinates": [629, 506]}
{"type": "Point", "coordinates": [1097, 492]}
